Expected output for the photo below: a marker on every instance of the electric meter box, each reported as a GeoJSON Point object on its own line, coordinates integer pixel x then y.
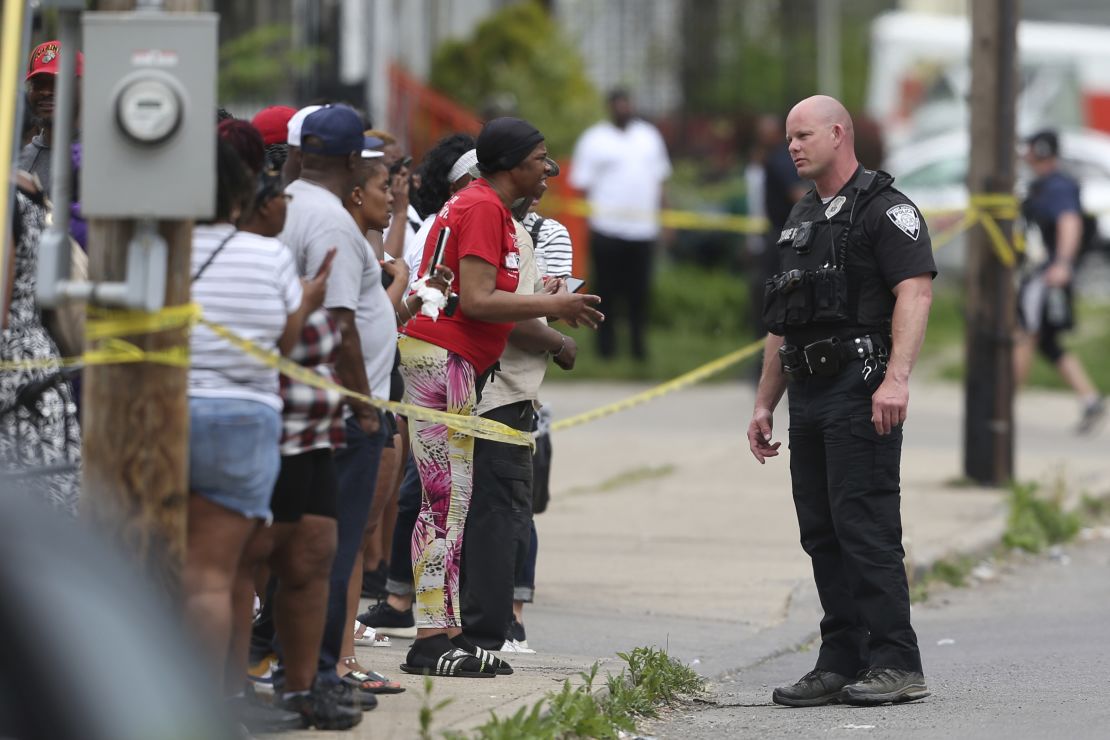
{"type": "Point", "coordinates": [148, 115]}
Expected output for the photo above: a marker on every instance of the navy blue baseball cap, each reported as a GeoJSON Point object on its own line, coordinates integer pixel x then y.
{"type": "Point", "coordinates": [334, 130]}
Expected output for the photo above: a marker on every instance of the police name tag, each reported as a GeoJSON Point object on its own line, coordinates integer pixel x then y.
{"type": "Point", "coordinates": [905, 217]}
{"type": "Point", "coordinates": [786, 235]}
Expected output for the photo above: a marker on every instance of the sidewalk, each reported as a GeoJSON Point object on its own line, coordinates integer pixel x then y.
{"type": "Point", "coordinates": [663, 530]}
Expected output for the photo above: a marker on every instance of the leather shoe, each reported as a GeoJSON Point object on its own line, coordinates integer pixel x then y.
{"type": "Point", "coordinates": [882, 685]}
{"type": "Point", "coordinates": [815, 689]}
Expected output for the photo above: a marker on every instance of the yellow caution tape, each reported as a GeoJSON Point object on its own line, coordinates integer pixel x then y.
{"type": "Point", "coordinates": [682, 381]}
{"type": "Point", "coordinates": [671, 218]}
{"type": "Point", "coordinates": [475, 426]}
{"type": "Point", "coordinates": [103, 323]}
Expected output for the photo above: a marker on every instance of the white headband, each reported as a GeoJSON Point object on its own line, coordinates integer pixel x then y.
{"type": "Point", "coordinates": [462, 165]}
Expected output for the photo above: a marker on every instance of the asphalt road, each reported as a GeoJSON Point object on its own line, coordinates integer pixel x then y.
{"type": "Point", "coordinates": [1026, 655]}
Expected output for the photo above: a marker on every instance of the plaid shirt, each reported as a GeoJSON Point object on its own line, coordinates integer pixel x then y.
{"type": "Point", "coordinates": [313, 418]}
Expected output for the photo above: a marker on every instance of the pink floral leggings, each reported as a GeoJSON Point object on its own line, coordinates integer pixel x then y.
{"type": "Point", "coordinates": [438, 379]}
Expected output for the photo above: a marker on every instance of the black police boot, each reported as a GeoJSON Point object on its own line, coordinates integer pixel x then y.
{"type": "Point", "coordinates": [815, 689]}
{"type": "Point", "coordinates": [882, 685]}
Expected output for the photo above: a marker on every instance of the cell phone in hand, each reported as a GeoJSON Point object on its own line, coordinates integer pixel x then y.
{"type": "Point", "coordinates": [575, 284]}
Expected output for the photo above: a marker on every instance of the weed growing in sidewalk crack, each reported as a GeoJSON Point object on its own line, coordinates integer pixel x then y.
{"type": "Point", "coordinates": [651, 678]}
{"type": "Point", "coordinates": [1037, 521]}
{"type": "Point", "coordinates": [428, 709]}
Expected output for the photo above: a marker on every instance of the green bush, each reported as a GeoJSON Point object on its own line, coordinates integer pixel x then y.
{"type": "Point", "coordinates": [712, 303]}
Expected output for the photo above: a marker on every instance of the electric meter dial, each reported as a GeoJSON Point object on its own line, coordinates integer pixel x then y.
{"type": "Point", "coordinates": [149, 110]}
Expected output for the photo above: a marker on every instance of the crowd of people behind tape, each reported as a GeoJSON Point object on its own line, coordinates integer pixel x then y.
{"type": "Point", "coordinates": [428, 282]}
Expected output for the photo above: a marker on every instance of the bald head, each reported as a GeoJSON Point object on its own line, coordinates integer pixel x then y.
{"type": "Point", "coordinates": [824, 110]}
{"type": "Point", "coordinates": [822, 142]}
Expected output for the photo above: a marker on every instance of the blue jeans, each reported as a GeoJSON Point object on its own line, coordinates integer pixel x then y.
{"type": "Point", "coordinates": [357, 469]}
{"type": "Point", "coordinates": [233, 453]}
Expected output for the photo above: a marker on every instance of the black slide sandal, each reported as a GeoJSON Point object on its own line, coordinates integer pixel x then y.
{"type": "Point", "coordinates": [436, 656]}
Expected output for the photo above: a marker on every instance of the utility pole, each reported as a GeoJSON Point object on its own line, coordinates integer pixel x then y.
{"type": "Point", "coordinates": [136, 416]}
{"type": "Point", "coordinates": [989, 385]}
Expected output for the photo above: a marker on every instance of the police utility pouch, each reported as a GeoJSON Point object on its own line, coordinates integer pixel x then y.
{"type": "Point", "coordinates": [830, 295]}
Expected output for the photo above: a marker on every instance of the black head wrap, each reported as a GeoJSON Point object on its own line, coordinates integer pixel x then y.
{"type": "Point", "coordinates": [504, 143]}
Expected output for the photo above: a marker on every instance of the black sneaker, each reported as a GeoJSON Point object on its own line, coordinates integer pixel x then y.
{"type": "Point", "coordinates": [882, 685]}
{"type": "Point", "coordinates": [323, 708]}
{"type": "Point", "coordinates": [388, 621]}
{"type": "Point", "coordinates": [516, 633]}
{"type": "Point", "coordinates": [259, 717]}
{"type": "Point", "coordinates": [815, 689]}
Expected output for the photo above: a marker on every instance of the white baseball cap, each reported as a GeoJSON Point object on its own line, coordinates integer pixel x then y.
{"type": "Point", "coordinates": [293, 137]}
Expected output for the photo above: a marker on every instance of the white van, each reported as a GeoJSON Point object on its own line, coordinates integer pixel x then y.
{"type": "Point", "coordinates": [920, 76]}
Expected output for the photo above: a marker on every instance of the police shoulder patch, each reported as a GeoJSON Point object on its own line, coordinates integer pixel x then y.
{"type": "Point", "coordinates": [905, 217]}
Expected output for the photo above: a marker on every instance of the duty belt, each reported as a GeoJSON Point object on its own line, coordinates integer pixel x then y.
{"type": "Point", "coordinates": [827, 357]}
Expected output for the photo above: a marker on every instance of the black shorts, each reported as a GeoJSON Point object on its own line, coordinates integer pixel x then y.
{"type": "Point", "coordinates": [307, 484]}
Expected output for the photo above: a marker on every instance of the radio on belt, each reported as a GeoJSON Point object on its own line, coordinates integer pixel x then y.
{"type": "Point", "coordinates": [149, 105]}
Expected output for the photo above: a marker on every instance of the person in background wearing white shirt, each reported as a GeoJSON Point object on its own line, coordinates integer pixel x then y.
{"type": "Point", "coordinates": [621, 164]}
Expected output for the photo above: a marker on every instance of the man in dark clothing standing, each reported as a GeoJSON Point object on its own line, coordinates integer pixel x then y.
{"type": "Point", "coordinates": [847, 314]}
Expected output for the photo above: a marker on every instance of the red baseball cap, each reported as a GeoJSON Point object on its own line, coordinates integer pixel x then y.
{"type": "Point", "coordinates": [44, 60]}
{"type": "Point", "coordinates": [273, 123]}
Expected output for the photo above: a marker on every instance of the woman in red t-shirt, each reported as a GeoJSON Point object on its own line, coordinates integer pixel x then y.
{"type": "Point", "coordinates": [441, 361]}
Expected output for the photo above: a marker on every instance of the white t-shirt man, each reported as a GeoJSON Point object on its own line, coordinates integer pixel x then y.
{"type": "Point", "coordinates": [622, 172]}
{"type": "Point", "coordinates": [316, 222]}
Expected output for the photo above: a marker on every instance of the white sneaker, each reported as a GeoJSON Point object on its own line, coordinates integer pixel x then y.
{"type": "Point", "coordinates": [368, 637]}
{"type": "Point", "coordinates": [512, 646]}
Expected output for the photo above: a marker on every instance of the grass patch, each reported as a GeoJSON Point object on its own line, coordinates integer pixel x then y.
{"type": "Point", "coordinates": [627, 478]}
{"type": "Point", "coordinates": [697, 315]}
{"type": "Point", "coordinates": [952, 571]}
{"type": "Point", "coordinates": [1038, 521]}
{"type": "Point", "coordinates": [650, 679]}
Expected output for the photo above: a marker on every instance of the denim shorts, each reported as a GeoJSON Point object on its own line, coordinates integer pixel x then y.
{"type": "Point", "coordinates": [233, 453]}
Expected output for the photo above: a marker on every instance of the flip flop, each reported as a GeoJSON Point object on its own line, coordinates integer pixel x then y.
{"type": "Point", "coordinates": [371, 682]}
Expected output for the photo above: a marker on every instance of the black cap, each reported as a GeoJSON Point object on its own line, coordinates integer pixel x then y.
{"type": "Point", "coordinates": [505, 142]}
{"type": "Point", "coordinates": [1044, 144]}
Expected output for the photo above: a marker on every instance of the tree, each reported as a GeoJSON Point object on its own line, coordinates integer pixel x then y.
{"type": "Point", "coordinates": [519, 53]}
{"type": "Point", "coordinates": [262, 64]}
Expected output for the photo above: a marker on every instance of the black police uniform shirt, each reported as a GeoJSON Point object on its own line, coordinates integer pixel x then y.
{"type": "Point", "coordinates": [1050, 197]}
{"type": "Point", "coordinates": [888, 242]}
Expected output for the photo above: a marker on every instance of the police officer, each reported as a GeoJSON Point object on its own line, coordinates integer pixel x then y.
{"type": "Point", "coordinates": [846, 316]}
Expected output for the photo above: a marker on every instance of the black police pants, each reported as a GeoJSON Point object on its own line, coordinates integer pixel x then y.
{"type": "Point", "coordinates": [846, 492]}
{"type": "Point", "coordinates": [498, 529]}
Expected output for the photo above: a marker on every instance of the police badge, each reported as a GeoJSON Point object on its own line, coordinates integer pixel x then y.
{"type": "Point", "coordinates": [905, 217]}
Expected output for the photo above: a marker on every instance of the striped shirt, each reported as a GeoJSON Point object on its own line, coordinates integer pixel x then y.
{"type": "Point", "coordinates": [251, 287]}
{"type": "Point", "coordinates": [554, 253]}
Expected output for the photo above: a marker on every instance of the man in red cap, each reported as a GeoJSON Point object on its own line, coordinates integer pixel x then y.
{"type": "Point", "coordinates": [42, 70]}
{"type": "Point", "coordinates": [273, 124]}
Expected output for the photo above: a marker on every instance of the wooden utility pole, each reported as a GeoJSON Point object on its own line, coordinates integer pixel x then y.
{"type": "Point", "coordinates": [136, 416]}
{"type": "Point", "coordinates": [989, 385]}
